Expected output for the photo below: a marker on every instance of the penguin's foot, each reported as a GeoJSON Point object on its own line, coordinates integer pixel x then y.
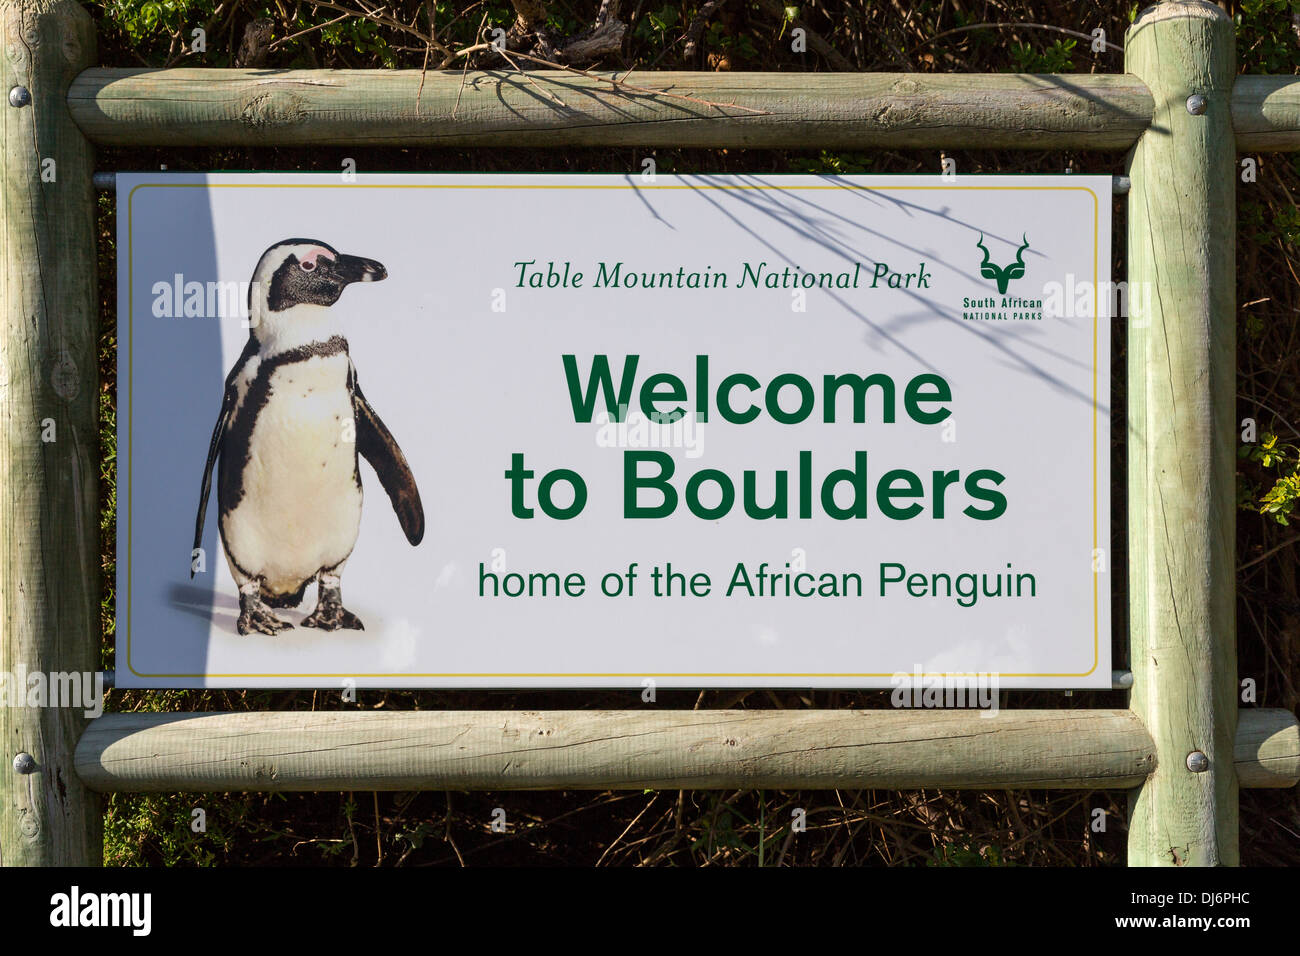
{"type": "Point", "coordinates": [256, 616]}
{"type": "Point", "coordinates": [330, 614]}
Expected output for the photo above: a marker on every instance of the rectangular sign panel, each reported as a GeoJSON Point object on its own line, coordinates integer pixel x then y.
{"type": "Point", "coordinates": [572, 430]}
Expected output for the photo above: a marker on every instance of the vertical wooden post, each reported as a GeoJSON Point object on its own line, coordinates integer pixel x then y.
{"type": "Point", "coordinates": [1181, 386]}
{"type": "Point", "coordinates": [49, 451]}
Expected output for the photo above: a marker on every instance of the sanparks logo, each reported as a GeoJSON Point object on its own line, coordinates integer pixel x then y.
{"type": "Point", "coordinates": [1002, 275]}
{"type": "Point", "coordinates": [1003, 307]}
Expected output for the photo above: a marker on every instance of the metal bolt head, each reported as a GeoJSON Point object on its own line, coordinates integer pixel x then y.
{"type": "Point", "coordinates": [1197, 762]}
{"type": "Point", "coordinates": [1196, 104]}
{"type": "Point", "coordinates": [19, 96]}
{"type": "Point", "coordinates": [25, 763]}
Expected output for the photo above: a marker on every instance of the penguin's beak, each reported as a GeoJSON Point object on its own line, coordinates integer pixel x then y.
{"type": "Point", "coordinates": [356, 269]}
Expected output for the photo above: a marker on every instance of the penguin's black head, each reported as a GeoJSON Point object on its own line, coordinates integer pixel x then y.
{"type": "Point", "coordinates": [309, 272]}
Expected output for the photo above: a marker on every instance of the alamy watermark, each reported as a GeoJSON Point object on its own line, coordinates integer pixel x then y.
{"type": "Point", "coordinates": [1081, 298]}
{"type": "Point", "coordinates": [72, 689]}
{"type": "Point", "coordinates": [929, 690]}
{"type": "Point", "coordinates": [190, 299]}
{"type": "Point", "coordinates": [74, 909]}
{"type": "Point", "coordinates": [634, 429]}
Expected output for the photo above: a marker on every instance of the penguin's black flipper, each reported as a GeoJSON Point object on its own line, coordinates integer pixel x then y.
{"type": "Point", "coordinates": [214, 449]}
{"type": "Point", "coordinates": [377, 446]}
{"type": "Point", "coordinates": [228, 400]}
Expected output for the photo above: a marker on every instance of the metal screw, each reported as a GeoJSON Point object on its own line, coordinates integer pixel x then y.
{"type": "Point", "coordinates": [19, 96]}
{"type": "Point", "coordinates": [1197, 762]}
{"type": "Point", "coordinates": [25, 763]}
{"type": "Point", "coordinates": [1196, 104]}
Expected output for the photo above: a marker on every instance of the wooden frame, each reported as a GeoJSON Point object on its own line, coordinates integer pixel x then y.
{"type": "Point", "coordinates": [1183, 747]}
{"type": "Point", "coordinates": [669, 749]}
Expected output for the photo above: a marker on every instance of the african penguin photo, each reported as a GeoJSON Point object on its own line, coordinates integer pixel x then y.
{"type": "Point", "coordinates": [292, 429]}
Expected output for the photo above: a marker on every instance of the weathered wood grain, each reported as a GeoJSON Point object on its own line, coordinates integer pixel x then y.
{"type": "Point", "coordinates": [613, 749]}
{"type": "Point", "coordinates": [49, 437]}
{"type": "Point", "coordinates": [1181, 378]}
{"type": "Point", "coordinates": [1267, 749]}
{"type": "Point", "coordinates": [216, 107]}
{"type": "Point", "coordinates": [440, 750]}
{"type": "Point", "coordinates": [1266, 113]}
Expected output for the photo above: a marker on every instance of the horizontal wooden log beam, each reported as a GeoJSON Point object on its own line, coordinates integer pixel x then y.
{"type": "Point", "coordinates": [1266, 113]}
{"type": "Point", "coordinates": [597, 750]}
{"type": "Point", "coordinates": [1267, 748]}
{"type": "Point", "coordinates": [227, 107]}
{"type": "Point", "coordinates": [223, 107]}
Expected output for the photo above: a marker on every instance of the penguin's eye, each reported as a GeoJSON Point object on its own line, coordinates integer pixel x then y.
{"type": "Point", "coordinates": [307, 266]}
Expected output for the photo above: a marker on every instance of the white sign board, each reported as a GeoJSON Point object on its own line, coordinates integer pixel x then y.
{"type": "Point", "coordinates": [572, 430]}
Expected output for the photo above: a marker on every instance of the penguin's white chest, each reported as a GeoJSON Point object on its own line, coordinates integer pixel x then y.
{"type": "Point", "coordinates": [299, 510]}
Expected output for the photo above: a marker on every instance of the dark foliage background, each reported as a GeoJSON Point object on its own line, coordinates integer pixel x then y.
{"type": "Point", "coordinates": [704, 828]}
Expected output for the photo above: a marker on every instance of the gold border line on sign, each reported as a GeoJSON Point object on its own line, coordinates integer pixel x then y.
{"type": "Point", "coordinates": [130, 285]}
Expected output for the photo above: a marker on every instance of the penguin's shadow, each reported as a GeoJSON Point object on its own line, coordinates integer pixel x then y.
{"type": "Point", "coordinates": [211, 605]}
{"type": "Point", "coordinates": [207, 604]}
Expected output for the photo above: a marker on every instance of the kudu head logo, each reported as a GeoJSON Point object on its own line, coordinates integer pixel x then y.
{"type": "Point", "coordinates": [1003, 274]}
